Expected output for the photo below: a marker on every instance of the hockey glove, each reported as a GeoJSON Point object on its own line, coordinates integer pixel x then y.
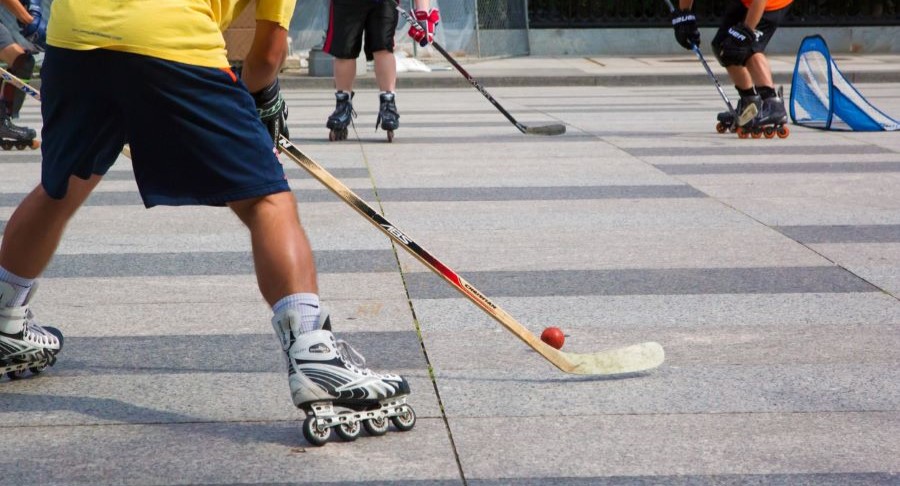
{"type": "Point", "coordinates": [272, 110]}
{"type": "Point", "coordinates": [737, 46]}
{"type": "Point", "coordinates": [36, 31]}
{"type": "Point", "coordinates": [685, 24]}
{"type": "Point", "coordinates": [423, 30]}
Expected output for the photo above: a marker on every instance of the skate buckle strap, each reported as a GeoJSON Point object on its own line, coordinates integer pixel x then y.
{"type": "Point", "coordinates": [349, 354]}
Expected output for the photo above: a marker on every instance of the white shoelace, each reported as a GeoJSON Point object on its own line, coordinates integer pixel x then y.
{"type": "Point", "coordinates": [351, 356]}
{"type": "Point", "coordinates": [35, 333]}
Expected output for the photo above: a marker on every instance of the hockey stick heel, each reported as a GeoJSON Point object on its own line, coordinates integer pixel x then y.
{"type": "Point", "coordinates": [629, 359]}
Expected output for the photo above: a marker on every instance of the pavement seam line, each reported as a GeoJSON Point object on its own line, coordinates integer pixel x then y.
{"type": "Point", "coordinates": [415, 318]}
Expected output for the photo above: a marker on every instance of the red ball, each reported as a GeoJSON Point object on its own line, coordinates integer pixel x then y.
{"type": "Point", "coordinates": [554, 337]}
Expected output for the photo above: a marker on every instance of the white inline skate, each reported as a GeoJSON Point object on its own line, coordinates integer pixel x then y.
{"type": "Point", "coordinates": [24, 345]}
{"type": "Point", "coordinates": [329, 381]}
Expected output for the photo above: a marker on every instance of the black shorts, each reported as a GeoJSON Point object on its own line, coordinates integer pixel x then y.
{"type": "Point", "coordinates": [194, 133]}
{"type": "Point", "coordinates": [736, 14]}
{"type": "Point", "coordinates": [349, 19]}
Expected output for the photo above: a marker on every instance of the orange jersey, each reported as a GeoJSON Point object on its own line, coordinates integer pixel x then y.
{"type": "Point", "coordinates": [771, 4]}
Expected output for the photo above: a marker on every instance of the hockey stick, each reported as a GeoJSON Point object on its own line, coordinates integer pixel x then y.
{"type": "Point", "coordinates": [552, 129]}
{"type": "Point", "coordinates": [18, 83]}
{"type": "Point", "coordinates": [630, 359]}
{"type": "Point", "coordinates": [749, 112]}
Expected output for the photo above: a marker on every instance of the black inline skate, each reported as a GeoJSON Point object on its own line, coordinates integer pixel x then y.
{"type": "Point", "coordinates": [12, 135]}
{"type": "Point", "coordinates": [388, 117]}
{"type": "Point", "coordinates": [342, 116]}
{"type": "Point", "coordinates": [747, 107]}
{"type": "Point", "coordinates": [771, 120]}
{"type": "Point", "coordinates": [329, 381]}
{"type": "Point", "coordinates": [24, 344]}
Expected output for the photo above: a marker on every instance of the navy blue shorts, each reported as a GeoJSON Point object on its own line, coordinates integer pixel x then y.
{"type": "Point", "coordinates": [194, 134]}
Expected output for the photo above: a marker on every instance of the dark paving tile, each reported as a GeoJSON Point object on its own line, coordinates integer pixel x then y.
{"type": "Point", "coordinates": [207, 263]}
{"type": "Point", "coordinates": [886, 233]}
{"type": "Point", "coordinates": [772, 280]}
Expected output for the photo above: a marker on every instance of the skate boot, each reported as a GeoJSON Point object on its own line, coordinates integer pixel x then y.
{"type": "Point", "coordinates": [388, 117]}
{"type": "Point", "coordinates": [329, 381]}
{"type": "Point", "coordinates": [772, 118]}
{"type": "Point", "coordinates": [342, 116]}
{"type": "Point", "coordinates": [747, 107]}
{"type": "Point", "coordinates": [24, 345]}
{"type": "Point", "coordinates": [15, 136]}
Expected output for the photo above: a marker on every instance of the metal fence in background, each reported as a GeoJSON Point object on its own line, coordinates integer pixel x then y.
{"type": "Point", "coordinates": [654, 13]}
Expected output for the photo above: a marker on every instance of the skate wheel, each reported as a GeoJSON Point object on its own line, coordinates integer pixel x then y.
{"type": "Point", "coordinates": [349, 431]}
{"type": "Point", "coordinates": [6, 144]}
{"type": "Point", "coordinates": [405, 421]}
{"type": "Point", "coordinates": [769, 132]}
{"type": "Point", "coordinates": [16, 375]}
{"type": "Point", "coordinates": [36, 370]}
{"type": "Point", "coordinates": [376, 427]}
{"type": "Point", "coordinates": [390, 136]}
{"type": "Point", "coordinates": [742, 133]}
{"type": "Point", "coordinates": [756, 133]}
{"type": "Point", "coordinates": [721, 127]}
{"type": "Point", "coordinates": [35, 144]}
{"type": "Point", "coordinates": [332, 136]}
{"type": "Point", "coordinates": [313, 434]}
{"type": "Point", "coordinates": [783, 132]}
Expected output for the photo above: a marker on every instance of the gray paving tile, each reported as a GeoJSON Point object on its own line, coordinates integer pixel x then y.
{"type": "Point", "coordinates": [885, 233]}
{"type": "Point", "coordinates": [780, 168]}
{"type": "Point", "coordinates": [682, 445]}
{"type": "Point", "coordinates": [292, 173]}
{"type": "Point", "coordinates": [205, 263]}
{"type": "Point", "coordinates": [646, 282]}
{"type": "Point", "coordinates": [252, 452]}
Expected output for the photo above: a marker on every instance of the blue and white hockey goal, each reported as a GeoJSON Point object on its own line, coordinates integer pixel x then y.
{"type": "Point", "coordinates": [821, 97]}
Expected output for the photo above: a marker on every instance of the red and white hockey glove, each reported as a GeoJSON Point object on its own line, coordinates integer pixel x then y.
{"type": "Point", "coordinates": [423, 33]}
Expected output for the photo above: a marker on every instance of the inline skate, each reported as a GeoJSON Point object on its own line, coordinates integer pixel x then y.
{"type": "Point", "coordinates": [388, 116]}
{"type": "Point", "coordinates": [14, 136]}
{"type": "Point", "coordinates": [330, 383]}
{"type": "Point", "coordinates": [771, 119]}
{"type": "Point", "coordinates": [24, 344]}
{"type": "Point", "coordinates": [747, 107]}
{"type": "Point", "coordinates": [342, 116]}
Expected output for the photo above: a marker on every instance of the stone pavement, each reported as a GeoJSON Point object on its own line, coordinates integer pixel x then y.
{"type": "Point", "coordinates": [767, 268]}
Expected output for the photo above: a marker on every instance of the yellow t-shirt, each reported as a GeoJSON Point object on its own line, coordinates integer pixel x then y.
{"type": "Point", "coordinates": [187, 31]}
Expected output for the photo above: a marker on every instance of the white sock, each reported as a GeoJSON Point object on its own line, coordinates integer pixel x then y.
{"type": "Point", "coordinates": [306, 304]}
{"type": "Point", "coordinates": [21, 286]}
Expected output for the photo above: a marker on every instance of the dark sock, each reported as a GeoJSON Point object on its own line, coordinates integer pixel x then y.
{"type": "Point", "coordinates": [745, 92]}
{"type": "Point", "coordinates": [766, 92]}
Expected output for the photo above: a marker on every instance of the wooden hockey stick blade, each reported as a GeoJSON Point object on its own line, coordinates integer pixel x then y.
{"type": "Point", "coordinates": [554, 129]}
{"type": "Point", "coordinates": [748, 114]}
{"type": "Point", "coordinates": [630, 359]}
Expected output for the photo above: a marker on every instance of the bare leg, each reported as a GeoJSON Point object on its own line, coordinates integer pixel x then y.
{"type": "Point", "coordinates": [386, 70]}
{"type": "Point", "coordinates": [9, 53]}
{"type": "Point", "coordinates": [344, 74]}
{"type": "Point", "coordinates": [758, 67]}
{"type": "Point", "coordinates": [281, 252]}
{"type": "Point", "coordinates": [37, 225]}
{"type": "Point", "coordinates": [740, 76]}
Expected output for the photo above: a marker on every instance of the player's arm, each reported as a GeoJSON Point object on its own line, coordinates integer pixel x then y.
{"type": "Point", "coordinates": [685, 4]}
{"type": "Point", "coordinates": [260, 73]}
{"type": "Point", "coordinates": [18, 10]}
{"type": "Point", "coordinates": [755, 13]}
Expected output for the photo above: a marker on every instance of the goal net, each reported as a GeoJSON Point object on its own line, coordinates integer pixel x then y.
{"type": "Point", "coordinates": [821, 97]}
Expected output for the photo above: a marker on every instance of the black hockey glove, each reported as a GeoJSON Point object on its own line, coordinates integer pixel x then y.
{"type": "Point", "coordinates": [272, 110]}
{"type": "Point", "coordinates": [737, 46]}
{"type": "Point", "coordinates": [685, 24]}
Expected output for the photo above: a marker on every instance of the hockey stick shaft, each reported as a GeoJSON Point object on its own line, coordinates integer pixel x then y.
{"type": "Point", "coordinates": [18, 83]}
{"type": "Point", "coordinates": [552, 130]}
{"type": "Point", "coordinates": [696, 49]}
{"type": "Point", "coordinates": [635, 358]}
